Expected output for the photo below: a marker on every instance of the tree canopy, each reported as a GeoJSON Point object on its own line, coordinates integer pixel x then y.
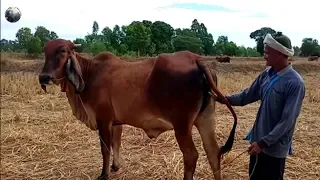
{"type": "Point", "coordinates": [146, 38]}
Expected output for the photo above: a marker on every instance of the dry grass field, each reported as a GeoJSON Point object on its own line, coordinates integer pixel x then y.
{"type": "Point", "coordinates": [40, 139]}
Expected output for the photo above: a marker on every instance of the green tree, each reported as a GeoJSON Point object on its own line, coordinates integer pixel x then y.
{"type": "Point", "coordinates": [106, 35]}
{"type": "Point", "coordinates": [89, 38]}
{"type": "Point", "coordinates": [243, 51]}
{"type": "Point", "coordinates": [23, 36]}
{"type": "Point", "coordinates": [43, 34]}
{"type": "Point", "coordinates": [252, 52]}
{"type": "Point", "coordinates": [205, 37]}
{"type": "Point", "coordinates": [107, 38]}
{"type": "Point", "coordinates": [259, 35]}
{"type": "Point", "coordinates": [231, 49]}
{"type": "Point", "coordinates": [221, 45]}
{"type": "Point", "coordinates": [94, 36]}
{"type": "Point", "coordinates": [53, 35]}
{"type": "Point", "coordinates": [96, 47]}
{"type": "Point", "coordinates": [184, 42]}
{"type": "Point", "coordinates": [297, 51]}
{"type": "Point", "coordinates": [95, 28]}
{"type": "Point", "coordinates": [34, 46]}
{"type": "Point", "coordinates": [138, 37]}
{"type": "Point", "coordinates": [161, 36]}
{"type": "Point", "coordinates": [152, 38]}
{"type": "Point", "coordinates": [9, 45]}
{"type": "Point", "coordinates": [84, 46]}
{"type": "Point", "coordinates": [309, 47]}
{"type": "Point", "coordinates": [147, 23]}
{"type": "Point", "coordinates": [117, 40]}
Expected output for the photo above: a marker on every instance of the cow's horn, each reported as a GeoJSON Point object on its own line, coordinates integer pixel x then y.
{"type": "Point", "coordinates": [77, 45]}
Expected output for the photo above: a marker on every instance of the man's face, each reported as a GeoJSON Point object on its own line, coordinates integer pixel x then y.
{"type": "Point", "coordinates": [271, 55]}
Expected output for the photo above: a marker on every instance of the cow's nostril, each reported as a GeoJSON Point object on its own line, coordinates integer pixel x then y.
{"type": "Point", "coordinates": [44, 79]}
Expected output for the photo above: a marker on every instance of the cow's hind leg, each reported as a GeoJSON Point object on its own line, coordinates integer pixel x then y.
{"type": "Point", "coordinates": [205, 124]}
{"type": "Point", "coordinates": [190, 155]}
{"type": "Point", "coordinates": [116, 143]}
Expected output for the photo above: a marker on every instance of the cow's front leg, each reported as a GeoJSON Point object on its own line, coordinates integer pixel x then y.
{"type": "Point", "coordinates": [105, 134]}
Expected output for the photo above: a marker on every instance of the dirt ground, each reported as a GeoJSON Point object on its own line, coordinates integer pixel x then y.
{"type": "Point", "coordinates": [40, 139]}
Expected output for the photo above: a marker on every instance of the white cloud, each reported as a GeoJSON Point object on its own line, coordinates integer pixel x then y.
{"type": "Point", "coordinates": [70, 19]}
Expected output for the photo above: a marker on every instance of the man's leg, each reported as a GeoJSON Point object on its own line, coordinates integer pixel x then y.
{"type": "Point", "coordinates": [276, 168]}
{"type": "Point", "coordinates": [266, 168]}
{"type": "Point", "coordinates": [256, 167]}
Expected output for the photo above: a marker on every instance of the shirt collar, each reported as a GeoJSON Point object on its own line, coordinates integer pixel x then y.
{"type": "Point", "coordinates": [280, 73]}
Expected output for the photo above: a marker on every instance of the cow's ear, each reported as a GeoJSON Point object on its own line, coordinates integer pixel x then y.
{"type": "Point", "coordinates": [74, 74]}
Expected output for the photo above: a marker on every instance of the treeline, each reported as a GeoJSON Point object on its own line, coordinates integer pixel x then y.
{"type": "Point", "coordinates": [146, 38]}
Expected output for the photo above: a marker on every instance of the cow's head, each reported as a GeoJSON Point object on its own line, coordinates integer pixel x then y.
{"type": "Point", "coordinates": [61, 63]}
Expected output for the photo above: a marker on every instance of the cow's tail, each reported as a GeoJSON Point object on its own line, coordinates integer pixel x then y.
{"type": "Point", "coordinates": [228, 145]}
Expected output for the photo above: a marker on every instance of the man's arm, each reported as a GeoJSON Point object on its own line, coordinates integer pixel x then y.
{"type": "Point", "coordinates": [247, 96]}
{"type": "Point", "coordinates": [291, 111]}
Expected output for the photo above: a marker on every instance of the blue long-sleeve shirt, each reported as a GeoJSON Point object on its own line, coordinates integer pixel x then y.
{"type": "Point", "coordinates": [279, 109]}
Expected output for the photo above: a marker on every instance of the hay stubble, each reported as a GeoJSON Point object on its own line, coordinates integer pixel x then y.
{"type": "Point", "coordinates": [40, 139]}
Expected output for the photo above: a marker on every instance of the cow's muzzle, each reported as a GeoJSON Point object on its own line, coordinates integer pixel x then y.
{"type": "Point", "coordinates": [45, 79]}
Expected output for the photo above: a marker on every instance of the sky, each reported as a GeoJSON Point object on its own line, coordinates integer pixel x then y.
{"type": "Point", "coordinates": [236, 19]}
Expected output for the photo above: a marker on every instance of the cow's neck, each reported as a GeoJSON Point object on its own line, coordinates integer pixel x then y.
{"type": "Point", "coordinates": [86, 67]}
{"type": "Point", "coordinates": [79, 102]}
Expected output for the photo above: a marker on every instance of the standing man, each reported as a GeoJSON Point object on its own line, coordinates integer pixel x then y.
{"type": "Point", "coordinates": [281, 91]}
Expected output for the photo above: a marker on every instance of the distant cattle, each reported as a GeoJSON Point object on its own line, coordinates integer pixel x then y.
{"type": "Point", "coordinates": [291, 59]}
{"type": "Point", "coordinates": [313, 58]}
{"type": "Point", "coordinates": [225, 59]}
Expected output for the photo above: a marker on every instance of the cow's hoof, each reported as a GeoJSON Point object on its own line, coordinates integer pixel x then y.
{"type": "Point", "coordinates": [103, 177]}
{"type": "Point", "coordinates": [114, 168]}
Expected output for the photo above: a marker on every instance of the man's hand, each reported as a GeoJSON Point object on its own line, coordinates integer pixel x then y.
{"type": "Point", "coordinates": [220, 100]}
{"type": "Point", "coordinates": [254, 149]}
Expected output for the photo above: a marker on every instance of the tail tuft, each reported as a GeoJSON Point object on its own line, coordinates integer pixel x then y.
{"type": "Point", "coordinates": [228, 145]}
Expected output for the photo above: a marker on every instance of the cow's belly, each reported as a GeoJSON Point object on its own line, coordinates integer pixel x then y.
{"type": "Point", "coordinates": [153, 126]}
{"type": "Point", "coordinates": [134, 109]}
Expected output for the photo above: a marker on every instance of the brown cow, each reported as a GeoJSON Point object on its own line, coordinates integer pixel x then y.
{"type": "Point", "coordinates": [225, 59]}
{"type": "Point", "coordinates": [290, 59]}
{"type": "Point", "coordinates": [313, 58]}
{"type": "Point", "coordinates": [159, 94]}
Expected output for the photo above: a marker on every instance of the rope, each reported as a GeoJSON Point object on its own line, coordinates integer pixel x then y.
{"type": "Point", "coordinates": [90, 120]}
{"type": "Point", "coordinates": [59, 79]}
{"type": "Point", "coordinates": [230, 161]}
{"type": "Point", "coordinates": [254, 167]}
